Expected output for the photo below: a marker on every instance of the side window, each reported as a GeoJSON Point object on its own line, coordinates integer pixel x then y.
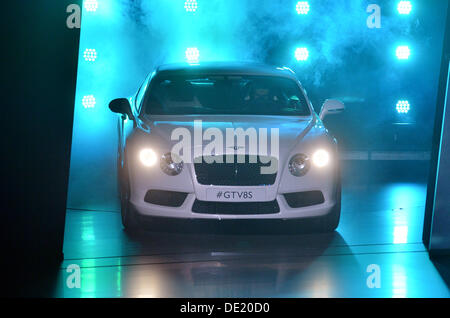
{"type": "Point", "coordinates": [141, 93]}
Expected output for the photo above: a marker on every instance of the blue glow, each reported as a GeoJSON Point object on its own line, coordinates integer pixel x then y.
{"type": "Point", "coordinates": [191, 5]}
{"type": "Point", "coordinates": [192, 55]}
{"type": "Point", "coordinates": [302, 7]}
{"type": "Point", "coordinates": [403, 107]}
{"type": "Point", "coordinates": [301, 54]}
{"type": "Point", "coordinates": [91, 5]}
{"type": "Point", "coordinates": [403, 52]}
{"type": "Point", "coordinates": [90, 55]}
{"type": "Point", "coordinates": [88, 101]}
{"type": "Point", "coordinates": [404, 7]}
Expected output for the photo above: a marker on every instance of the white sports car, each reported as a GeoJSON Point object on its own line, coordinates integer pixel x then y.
{"type": "Point", "coordinates": [226, 141]}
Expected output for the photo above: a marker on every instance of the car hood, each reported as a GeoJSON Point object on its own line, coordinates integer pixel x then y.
{"type": "Point", "coordinates": [291, 129]}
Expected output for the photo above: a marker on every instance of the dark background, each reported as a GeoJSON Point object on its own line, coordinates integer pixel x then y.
{"type": "Point", "coordinates": [39, 65]}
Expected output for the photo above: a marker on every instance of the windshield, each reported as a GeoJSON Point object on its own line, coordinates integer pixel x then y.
{"type": "Point", "coordinates": [221, 95]}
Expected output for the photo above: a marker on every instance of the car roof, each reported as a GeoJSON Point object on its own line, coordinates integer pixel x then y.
{"type": "Point", "coordinates": [236, 68]}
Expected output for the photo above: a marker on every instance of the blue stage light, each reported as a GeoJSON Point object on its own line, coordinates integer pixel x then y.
{"type": "Point", "coordinates": [302, 7]}
{"type": "Point", "coordinates": [90, 55]}
{"type": "Point", "coordinates": [191, 5]}
{"type": "Point", "coordinates": [403, 107]}
{"type": "Point", "coordinates": [403, 52]}
{"type": "Point", "coordinates": [192, 55]}
{"type": "Point", "coordinates": [91, 5]}
{"type": "Point", "coordinates": [301, 54]}
{"type": "Point", "coordinates": [404, 7]}
{"type": "Point", "coordinates": [88, 101]}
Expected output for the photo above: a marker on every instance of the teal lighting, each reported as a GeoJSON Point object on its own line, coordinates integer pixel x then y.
{"type": "Point", "coordinates": [191, 5]}
{"type": "Point", "coordinates": [90, 55]}
{"type": "Point", "coordinates": [192, 55]}
{"type": "Point", "coordinates": [301, 54]}
{"type": "Point", "coordinates": [91, 5]}
{"type": "Point", "coordinates": [88, 101]}
{"type": "Point", "coordinates": [302, 7]}
{"type": "Point", "coordinates": [403, 107]}
{"type": "Point", "coordinates": [403, 52]}
{"type": "Point", "coordinates": [404, 7]}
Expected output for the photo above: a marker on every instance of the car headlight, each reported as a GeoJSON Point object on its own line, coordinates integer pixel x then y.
{"type": "Point", "coordinates": [321, 158]}
{"type": "Point", "coordinates": [299, 165]}
{"type": "Point", "coordinates": [171, 164]}
{"type": "Point", "coordinates": [148, 157]}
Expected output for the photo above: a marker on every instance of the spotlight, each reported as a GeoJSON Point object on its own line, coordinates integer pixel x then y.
{"type": "Point", "coordinates": [301, 54]}
{"type": "Point", "coordinates": [91, 5]}
{"type": "Point", "coordinates": [192, 55]}
{"type": "Point", "coordinates": [403, 107]}
{"type": "Point", "coordinates": [191, 5]}
{"type": "Point", "coordinates": [302, 7]}
{"type": "Point", "coordinates": [88, 101]}
{"type": "Point", "coordinates": [403, 52]}
{"type": "Point", "coordinates": [90, 55]}
{"type": "Point", "coordinates": [404, 7]}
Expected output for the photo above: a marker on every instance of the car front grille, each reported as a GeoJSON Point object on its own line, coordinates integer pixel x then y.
{"type": "Point", "coordinates": [236, 208]}
{"type": "Point", "coordinates": [234, 174]}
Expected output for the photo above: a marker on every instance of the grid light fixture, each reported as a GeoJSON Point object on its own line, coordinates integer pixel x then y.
{"type": "Point", "coordinates": [191, 5]}
{"type": "Point", "coordinates": [192, 55]}
{"type": "Point", "coordinates": [302, 7]}
{"type": "Point", "coordinates": [301, 54]}
{"type": "Point", "coordinates": [91, 5]}
{"type": "Point", "coordinates": [90, 55]}
{"type": "Point", "coordinates": [403, 52]}
{"type": "Point", "coordinates": [404, 7]}
{"type": "Point", "coordinates": [88, 101]}
{"type": "Point", "coordinates": [403, 107]}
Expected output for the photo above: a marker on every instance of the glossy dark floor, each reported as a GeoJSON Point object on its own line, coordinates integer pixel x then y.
{"type": "Point", "coordinates": [382, 218]}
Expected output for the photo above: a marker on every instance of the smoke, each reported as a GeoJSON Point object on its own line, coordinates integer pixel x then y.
{"type": "Point", "coordinates": [347, 60]}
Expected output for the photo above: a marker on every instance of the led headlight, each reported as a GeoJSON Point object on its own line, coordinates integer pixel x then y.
{"type": "Point", "coordinates": [299, 165]}
{"type": "Point", "coordinates": [148, 157]}
{"type": "Point", "coordinates": [321, 158]}
{"type": "Point", "coordinates": [171, 164]}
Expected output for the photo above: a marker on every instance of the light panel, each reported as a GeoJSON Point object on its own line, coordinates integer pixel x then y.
{"type": "Point", "coordinates": [302, 7]}
{"type": "Point", "coordinates": [88, 101]}
{"type": "Point", "coordinates": [191, 5]}
{"type": "Point", "coordinates": [403, 52]}
{"type": "Point", "coordinates": [403, 107]}
{"type": "Point", "coordinates": [404, 7]}
{"type": "Point", "coordinates": [301, 54]}
{"type": "Point", "coordinates": [192, 55]}
{"type": "Point", "coordinates": [90, 55]}
{"type": "Point", "coordinates": [91, 5]}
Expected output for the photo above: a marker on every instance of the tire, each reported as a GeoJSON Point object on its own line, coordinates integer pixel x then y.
{"type": "Point", "coordinates": [331, 221]}
{"type": "Point", "coordinates": [127, 212]}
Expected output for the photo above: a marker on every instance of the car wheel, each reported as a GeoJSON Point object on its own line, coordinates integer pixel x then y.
{"type": "Point", "coordinates": [331, 221]}
{"type": "Point", "coordinates": [126, 210]}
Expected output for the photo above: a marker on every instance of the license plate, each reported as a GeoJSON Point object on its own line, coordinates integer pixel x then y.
{"type": "Point", "coordinates": [218, 195]}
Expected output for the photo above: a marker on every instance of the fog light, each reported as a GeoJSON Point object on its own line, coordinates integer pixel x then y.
{"type": "Point", "coordinates": [148, 157]}
{"type": "Point", "coordinates": [171, 164]}
{"type": "Point", "coordinates": [321, 158]}
{"type": "Point", "coordinates": [299, 165]}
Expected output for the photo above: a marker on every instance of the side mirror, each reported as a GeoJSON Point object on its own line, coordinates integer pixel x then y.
{"type": "Point", "coordinates": [121, 106]}
{"type": "Point", "coordinates": [330, 107]}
